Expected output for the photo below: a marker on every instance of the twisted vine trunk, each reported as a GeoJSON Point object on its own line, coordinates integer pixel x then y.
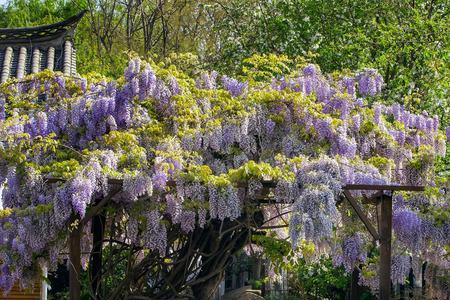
{"type": "Point", "coordinates": [207, 290]}
{"type": "Point", "coordinates": [223, 247]}
{"type": "Point", "coordinates": [198, 264]}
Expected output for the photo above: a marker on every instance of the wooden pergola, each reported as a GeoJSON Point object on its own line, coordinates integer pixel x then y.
{"type": "Point", "coordinates": [382, 199]}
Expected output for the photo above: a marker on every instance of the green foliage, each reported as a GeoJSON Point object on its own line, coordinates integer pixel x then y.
{"type": "Point", "coordinates": [20, 13]}
{"type": "Point", "coordinates": [126, 143]}
{"type": "Point", "coordinates": [4, 213]}
{"type": "Point", "coordinates": [274, 249]}
{"type": "Point", "coordinates": [63, 169]}
{"type": "Point", "coordinates": [406, 40]}
{"type": "Point", "coordinates": [197, 173]}
{"type": "Point", "coordinates": [33, 210]}
{"type": "Point", "coordinates": [422, 157]}
{"type": "Point", "coordinates": [263, 67]}
{"type": "Point", "coordinates": [320, 280]}
{"type": "Point", "coordinates": [251, 169]}
{"type": "Point", "coordinates": [189, 63]}
{"type": "Point", "coordinates": [381, 163]}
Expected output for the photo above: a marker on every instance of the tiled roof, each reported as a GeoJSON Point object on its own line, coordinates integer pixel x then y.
{"type": "Point", "coordinates": [30, 50]}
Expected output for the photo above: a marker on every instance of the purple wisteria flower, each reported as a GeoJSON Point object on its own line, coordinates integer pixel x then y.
{"type": "Point", "coordinates": [353, 252]}
{"type": "Point", "coordinates": [235, 87]}
{"type": "Point", "coordinates": [407, 227]}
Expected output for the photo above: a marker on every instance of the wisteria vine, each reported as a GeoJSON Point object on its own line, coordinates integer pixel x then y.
{"type": "Point", "coordinates": [184, 149]}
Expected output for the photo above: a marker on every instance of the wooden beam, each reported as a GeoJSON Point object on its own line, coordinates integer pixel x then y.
{"type": "Point", "coordinates": [75, 263]}
{"type": "Point", "coordinates": [98, 231]}
{"type": "Point", "coordinates": [384, 208]}
{"type": "Point", "coordinates": [361, 215]}
{"type": "Point", "coordinates": [373, 199]}
{"type": "Point", "coordinates": [383, 187]}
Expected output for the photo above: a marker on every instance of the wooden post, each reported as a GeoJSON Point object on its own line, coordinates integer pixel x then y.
{"type": "Point", "coordinates": [98, 227]}
{"type": "Point", "coordinates": [75, 263]}
{"type": "Point", "coordinates": [355, 290]}
{"type": "Point", "coordinates": [384, 207]}
{"type": "Point", "coordinates": [384, 234]}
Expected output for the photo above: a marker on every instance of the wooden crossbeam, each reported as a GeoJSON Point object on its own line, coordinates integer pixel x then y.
{"type": "Point", "coordinates": [373, 199]}
{"type": "Point", "coordinates": [362, 215]}
{"type": "Point", "coordinates": [383, 187]}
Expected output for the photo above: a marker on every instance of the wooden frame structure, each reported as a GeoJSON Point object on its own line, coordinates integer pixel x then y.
{"type": "Point", "coordinates": [30, 50]}
{"type": "Point", "coordinates": [382, 199]}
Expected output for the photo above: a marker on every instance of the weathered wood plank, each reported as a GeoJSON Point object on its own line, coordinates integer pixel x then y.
{"type": "Point", "coordinates": [17, 294]}
{"type": "Point", "coordinates": [385, 223]}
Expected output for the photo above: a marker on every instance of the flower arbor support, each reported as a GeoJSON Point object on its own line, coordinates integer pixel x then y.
{"type": "Point", "coordinates": [75, 242]}
{"type": "Point", "coordinates": [98, 232]}
{"type": "Point", "coordinates": [383, 235]}
{"type": "Point", "coordinates": [75, 262]}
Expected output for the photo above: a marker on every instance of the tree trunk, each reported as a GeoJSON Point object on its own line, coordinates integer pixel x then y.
{"type": "Point", "coordinates": [207, 289]}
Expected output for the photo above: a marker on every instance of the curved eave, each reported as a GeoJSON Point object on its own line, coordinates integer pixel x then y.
{"type": "Point", "coordinates": [39, 34]}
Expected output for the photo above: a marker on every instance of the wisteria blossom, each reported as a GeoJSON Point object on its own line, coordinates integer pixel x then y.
{"type": "Point", "coordinates": [179, 153]}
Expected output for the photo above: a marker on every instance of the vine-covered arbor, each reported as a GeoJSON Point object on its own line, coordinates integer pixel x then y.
{"type": "Point", "coordinates": [220, 248]}
{"type": "Point", "coordinates": [152, 182]}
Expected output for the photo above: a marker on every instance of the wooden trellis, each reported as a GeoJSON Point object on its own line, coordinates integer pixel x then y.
{"type": "Point", "coordinates": [383, 202]}
{"type": "Point", "coordinates": [382, 199]}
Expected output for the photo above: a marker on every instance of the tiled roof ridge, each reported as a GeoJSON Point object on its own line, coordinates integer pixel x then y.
{"type": "Point", "coordinates": [40, 33]}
